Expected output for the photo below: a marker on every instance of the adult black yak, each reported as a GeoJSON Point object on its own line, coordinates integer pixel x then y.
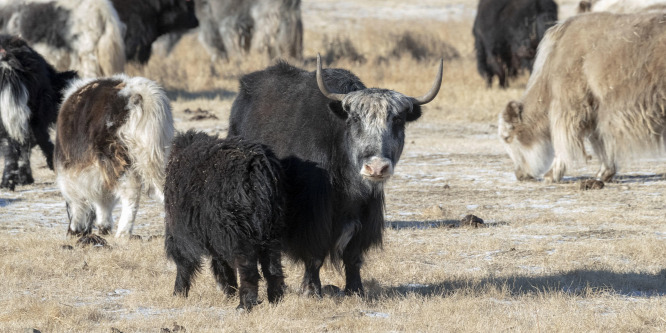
{"type": "Point", "coordinates": [233, 28]}
{"type": "Point", "coordinates": [224, 198]}
{"type": "Point", "coordinates": [146, 20]}
{"type": "Point", "coordinates": [112, 138]}
{"type": "Point", "coordinates": [337, 148]}
{"type": "Point", "coordinates": [30, 91]}
{"type": "Point", "coordinates": [507, 33]}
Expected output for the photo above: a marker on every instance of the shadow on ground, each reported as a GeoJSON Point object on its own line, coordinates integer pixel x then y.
{"type": "Point", "coordinates": [576, 282]}
{"type": "Point", "coordinates": [620, 179]}
{"type": "Point", "coordinates": [429, 224]}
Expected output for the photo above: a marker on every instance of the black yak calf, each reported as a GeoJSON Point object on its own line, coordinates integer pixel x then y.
{"type": "Point", "coordinates": [112, 139]}
{"type": "Point", "coordinates": [224, 198]}
{"type": "Point", "coordinates": [30, 91]}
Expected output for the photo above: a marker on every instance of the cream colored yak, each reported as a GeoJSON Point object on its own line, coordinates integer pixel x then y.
{"type": "Point", "coordinates": [600, 77]}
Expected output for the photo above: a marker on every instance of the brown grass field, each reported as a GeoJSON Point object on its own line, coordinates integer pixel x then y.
{"type": "Point", "coordinates": [550, 257]}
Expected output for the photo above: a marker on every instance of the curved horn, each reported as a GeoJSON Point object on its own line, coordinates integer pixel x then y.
{"type": "Point", "coordinates": [430, 95]}
{"type": "Point", "coordinates": [322, 85]}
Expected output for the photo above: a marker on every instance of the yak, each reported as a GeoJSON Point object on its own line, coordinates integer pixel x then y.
{"type": "Point", "coordinates": [225, 199]}
{"type": "Point", "coordinates": [82, 35]}
{"type": "Point", "coordinates": [234, 28]}
{"type": "Point", "coordinates": [578, 92]}
{"type": "Point", "coordinates": [30, 91]}
{"type": "Point", "coordinates": [506, 36]}
{"type": "Point", "coordinates": [338, 142]}
{"type": "Point", "coordinates": [112, 138]}
{"type": "Point", "coordinates": [146, 20]}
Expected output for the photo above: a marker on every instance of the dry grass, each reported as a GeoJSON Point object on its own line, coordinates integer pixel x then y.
{"type": "Point", "coordinates": [552, 257]}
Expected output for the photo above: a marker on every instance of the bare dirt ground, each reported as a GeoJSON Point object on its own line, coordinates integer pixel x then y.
{"type": "Point", "coordinates": [548, 257]}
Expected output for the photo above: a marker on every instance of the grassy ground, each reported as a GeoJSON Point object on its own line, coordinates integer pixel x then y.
{"type": "Point", "coordinates": [549, 258]}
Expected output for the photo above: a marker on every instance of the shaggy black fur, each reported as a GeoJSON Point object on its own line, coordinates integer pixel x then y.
{"type": "Point", "coordinates": [507, 33]}
{"type": "Point", "coordinates": [22, 65]}
{"type": "Point", "coordinates": [146, 20]}
{"type": "Point", "coordinates": [224, 198]}
{"type": "Point", "coordinates": [283, 108]}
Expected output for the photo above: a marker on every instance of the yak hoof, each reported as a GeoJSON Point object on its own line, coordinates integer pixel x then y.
{"type": "Point", "coordinates": [8, 183]}
{"type": "Point", "coordinates": [77, 233]}
{"type": "Point", "coordinates": [93, 240]}
{"type": "Point", "coordinates": [246, 305]}
{"type": "Point", "coordinates": [25, 179]}
{"type": "Point", "coordinates": [354, 291]}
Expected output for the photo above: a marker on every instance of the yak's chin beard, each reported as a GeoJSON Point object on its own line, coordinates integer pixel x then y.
{"type": "Point", "coordinates": [4, 66]}
{"type": "Point", "coordinates": [375, 180]}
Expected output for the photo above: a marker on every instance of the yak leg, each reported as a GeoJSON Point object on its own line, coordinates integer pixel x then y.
{"type": "Point", "coordinates": [608, 165]}
{"type": "Point", "coordinates": [311, 284]}
{"type": "Point", "coordinates": [129, 193]}
{"type": "Point", "coordinates": [271, 267]}
{"type": "Point", "coordinates": [24, 171]}
{"type": "Point", "coordinates": [43, 140]}
{"type": "Point", "coordinates": [352, 258]}
{"type": "Point", "coordinates": [186, 254]}
{"type": "Point", "coordinates": [81, 218]}
{"type": "Point", "coordinates": [186, 268]}
{"type": "Point", "coordinates": [556, 172]}
{"type": "Point", "coordinates": [103, 209]}
{"type": "Point", "coordinates": [225, 275]}
{"type": "Point", "coordinates": [10, 149]}
{"type": "Point", "coordinates": [249, 279]}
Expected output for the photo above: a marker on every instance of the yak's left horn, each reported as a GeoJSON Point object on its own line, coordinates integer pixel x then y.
{"type": "Point", "coordinates": [430, 95]}
{"type": "Point", "coordinates": [322, 85]}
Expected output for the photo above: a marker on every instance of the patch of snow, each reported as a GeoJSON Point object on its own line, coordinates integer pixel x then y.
{"type": "Point", "coordinates": [375, 314]}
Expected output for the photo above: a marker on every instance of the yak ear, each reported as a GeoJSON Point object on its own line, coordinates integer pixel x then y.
{"type": "Point", "coordinates": [509, 119]}
{"type": "Point", "coordinates": [414, 114]}
{"type": "Point", "coordinates": [337, 109]}
{"type": "Point", "coordinates": [513, 114]}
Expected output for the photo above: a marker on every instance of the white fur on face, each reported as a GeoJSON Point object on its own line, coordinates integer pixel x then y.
{"type": "Point", "coordinates": [375, 110]}
{"type": "Point", "coordinates": [15, 112]}
{"type": "Point", "coordinates": [534, 159]}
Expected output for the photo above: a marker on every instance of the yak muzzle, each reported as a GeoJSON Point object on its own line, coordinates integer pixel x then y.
{"type": "Point", "coordinates": [377, 169]}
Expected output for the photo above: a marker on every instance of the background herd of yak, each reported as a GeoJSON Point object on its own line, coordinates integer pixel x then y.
{"type": "Point", "coordinates": [303, 169]}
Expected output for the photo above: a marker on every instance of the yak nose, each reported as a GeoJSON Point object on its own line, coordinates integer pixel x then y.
{"type": "Point", "coordinates": [377, 168]}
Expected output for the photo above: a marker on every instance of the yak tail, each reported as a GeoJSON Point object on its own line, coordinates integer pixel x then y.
{"type": "Point", "coordinates": [148, 131]}
{"type": "Point", "coordinates": [14, 111]}
{"type": "Point", "coordinates": [111, 46]}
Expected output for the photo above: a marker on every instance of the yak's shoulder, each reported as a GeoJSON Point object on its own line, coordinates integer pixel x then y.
{"type": "Point", "coordinates": [337, 79]}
